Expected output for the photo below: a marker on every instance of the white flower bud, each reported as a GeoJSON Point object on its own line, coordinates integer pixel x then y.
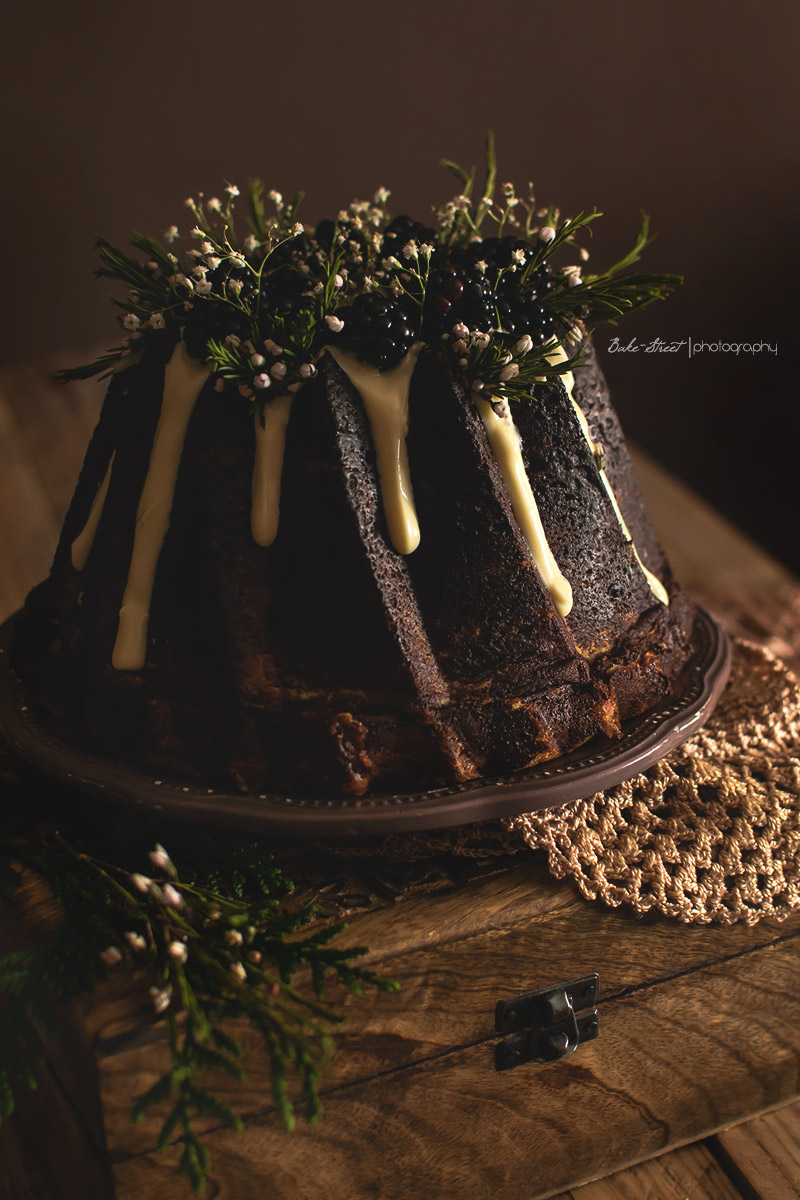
{"type": "Point", "coordinates": [233, 937]}
{"type": "Point", "coordinates": [239, 971]}
{"type": "Point", "coordinates": [171, 896]}
{"type": "Point", "coordinates": [278, 371]}
{"type": "Point", "coordinates": [161, 998]}
{"type": "Point", "coordinates": [524, 345]}
{"type": "Point", "coordinates": [509, 372]}
{"type": "Point", "coordinates": [135, 941]}
{"type": "Point", "coordinates": [334, 323]}
{"type": "Point", "coordinates": [261, 381]}
{"type": "Point", "coordinates": [159, 858]}
{"type": "Point", "coordinates": [141, 882]}
{"type": "Point", "coordinates": [257, 360]}
{"type": "Point", "coordinates": [112, 955]}
{"type": "Point", "coordinates": [546, 233]}
{"type": "Point", "coordinates": [178, 951]}
{"type": "Point", "coordinates": [308, 371]}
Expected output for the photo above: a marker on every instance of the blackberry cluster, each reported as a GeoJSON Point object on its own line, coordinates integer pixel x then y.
{"type": "Point", "coordinates": [402, 230]}
{"type": "Point", "coordinates": [460, 291]}
{"type": "Point", "coordinates": [376, 329]}
{"type": "Point", "coordinates": [212, 320]}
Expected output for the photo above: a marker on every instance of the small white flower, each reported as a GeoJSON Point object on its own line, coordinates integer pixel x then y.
{"type": "Point", "coordinates": [509, 372]}
{"type": "Point", "coordinates": [382, 195]}
{"type": "Point", "coordinates": [178, 951]}
{"type": "Point", "coordinates": [161, 998]}
{"type": "Point", "coordinates": [298, 228]}
{"type": "Point", "coordinates": [460, 330]}
{"type": "Point", "coordinates": [410, 249]}
{"type": "Point", "coordinates": [276, 198]}
{"type": "Point", "coordinates": [250, 243]}
{"type": "Point", "coordinates": [334, 323]}
{"type": "Point", "coordinates": [188, 202]}
{"type": "Point", "coordinates": [233, 937]}
{"type": "Point", "coordinates": [199, 272]}
{"type": "Point", "coordinates": [257, 360]}
{"type": "Point", "coordinates": [215, 204]}
{"type": "Point", "coordinates": [480, 339]}
{"type": "Point", "coordinates": [278, 371]}
{"type": "Point", "coordinates": [198, 233]}
{"type": "Point", "coordinates": [524, 345]}
{"type": "Point", "coordinates": [261, 381]}
{"type": "Point", "coordinates": [203, 288]}
{"type": "Point", "coordinates": [157, 321]}
{"type": "Point", "coordinates": [112, 955]}
{"type": "Point", "coordinates": [135, 941]}
{"type": "Point", "coordinates": [308, 371]}
{"type": "Point", "coordinates": [239, 971]}
{"type": "Point", "coordinates": [518, 256]}
{"type": "Point", "coordinates": [171, 896]}
{"type": "Point", "coordinates": [131, 321]}
{"type": "Point", "coordinates": [141, 882]}
{"type": "Point", "coordinates": [159, 858]}
{"type": "Point", "coordinates": [234, 286]}
{"type": "Point", "coordinates": [482, 266]}
{"type": "Point", "coordinates": [238, 260]}
{"type": "Point", "coordinates": [232, 190]}
{"type": "Point", "coordinates": [573, 276]}
{"type": "Point", "coordinates": [170, 234]}
{"type": "Point", "coordinates": [546, 233]}
{"type": "Point", "coordinates": [338, 282]}
{"type": "Point", "coordinates": [207, 247]}
{"type": "Point", "coordinates": [213, 262]}
{"type": "Point", "coordinates": [426, 249]}
{"type": "Point", "coordinates": [184, 282]}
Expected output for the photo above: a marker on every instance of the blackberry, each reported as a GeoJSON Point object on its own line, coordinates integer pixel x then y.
{"type": "Point", "coordinates": [458, 293]}
{"type": "Point", "coordinates": [401, 230]}
{"type": "Point", "coordinates": [212, 320]}
{"type": "Point", "coordinates": [376, 329]}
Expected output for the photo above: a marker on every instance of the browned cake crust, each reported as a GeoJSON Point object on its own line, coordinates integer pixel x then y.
{"type": "Point", "coordinates": [327, 662]}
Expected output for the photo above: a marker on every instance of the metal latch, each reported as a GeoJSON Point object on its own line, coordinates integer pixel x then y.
{"type": "Point", "coordinates": [550, 1022]}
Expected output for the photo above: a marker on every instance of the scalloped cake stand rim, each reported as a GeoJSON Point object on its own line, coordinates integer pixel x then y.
{"type": "Point", "coordinates": [594, 767]}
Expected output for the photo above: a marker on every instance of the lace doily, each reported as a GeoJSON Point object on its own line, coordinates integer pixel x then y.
{"type": "Point", "coordinates": [711, 833]}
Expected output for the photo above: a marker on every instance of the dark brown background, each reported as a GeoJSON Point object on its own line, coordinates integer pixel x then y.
{"type": "Point", "coordinates": [113, 114]}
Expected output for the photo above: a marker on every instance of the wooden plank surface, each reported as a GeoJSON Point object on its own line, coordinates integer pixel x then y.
{"type": "Point", "coordinates": [415, 1070]}
{"type": "Point", "coordinates": [691, 1173]}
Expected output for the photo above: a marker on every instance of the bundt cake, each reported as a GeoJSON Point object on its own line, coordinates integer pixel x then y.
{"type": "Point", "coordinates": [357, 516]}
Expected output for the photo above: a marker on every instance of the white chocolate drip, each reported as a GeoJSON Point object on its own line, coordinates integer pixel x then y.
{"type": "Point", "coordinates": [506, 446]}
{"type": "Point", "coordinates": [656, 586]}
{"type": "Point", "coordinates": [385, 398]}
{"type": "Point", "coordinates": [81, 547]}
{"type": "Point", "coordinates": [267, 468]}
{"type": "Point", "coordinates": [183, 381]}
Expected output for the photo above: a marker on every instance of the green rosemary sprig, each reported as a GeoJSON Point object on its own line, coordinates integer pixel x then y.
{"type": "Point", "coordinates": [262, 309]}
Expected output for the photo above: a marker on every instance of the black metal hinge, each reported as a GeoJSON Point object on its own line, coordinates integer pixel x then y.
{"type": "Point", "coordinates": [550, 1023]}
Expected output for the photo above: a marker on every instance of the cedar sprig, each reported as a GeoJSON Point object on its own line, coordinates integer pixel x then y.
{"type": "Point", "coordinates": [215, 943]}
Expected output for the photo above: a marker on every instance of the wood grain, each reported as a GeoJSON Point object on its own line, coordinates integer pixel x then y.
{"type": "Point", "coordinates": [674, 1061]}
{"type": "Point", "coordinates": [691, 1173]}
{"type": "Point", "coordinates": [766, 1153]}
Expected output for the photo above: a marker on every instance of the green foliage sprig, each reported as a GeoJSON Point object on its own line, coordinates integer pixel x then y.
{"type": "Point", "coordinates": [262, 307]}
{"type": "Point", "coordinates": [212, 943]}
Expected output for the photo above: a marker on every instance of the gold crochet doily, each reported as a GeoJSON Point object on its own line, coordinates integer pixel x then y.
{"type": "Point", "coordinates": [710, 833]}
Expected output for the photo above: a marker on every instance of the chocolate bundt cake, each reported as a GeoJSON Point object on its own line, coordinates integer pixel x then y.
{"type": "Point", "coordinates": [358, 515]}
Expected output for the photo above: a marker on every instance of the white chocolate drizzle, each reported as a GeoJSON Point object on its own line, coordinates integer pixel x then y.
{"type": "Point", "coordinates": [506, 446]}
{"type": "Point", "coordinates": [82, 546]}
{"type": "Point", "coordinates": [385, 399]}
{"type": "Point", "coordinates": [267, 468]}
{"type": "Point", "coordinates": [183, 381]}
{"type": "Point", "coordinates": [656, 586]}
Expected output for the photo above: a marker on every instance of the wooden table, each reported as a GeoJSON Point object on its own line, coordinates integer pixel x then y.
{"type": "Point", "coordinates": [461, 939]}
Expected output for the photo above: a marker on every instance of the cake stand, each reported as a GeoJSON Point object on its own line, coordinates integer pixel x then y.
{"type": "Point", "coordinates": [594, 767]}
